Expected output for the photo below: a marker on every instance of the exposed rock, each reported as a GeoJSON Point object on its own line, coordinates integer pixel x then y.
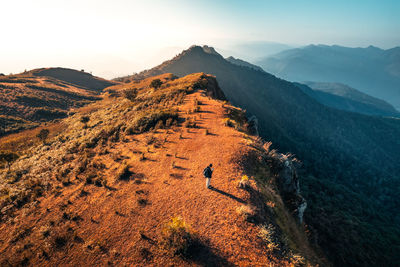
{"type": "Point", "coordinates": [253, 125]}
{"type": "Point", "coordinates": [289, 186]}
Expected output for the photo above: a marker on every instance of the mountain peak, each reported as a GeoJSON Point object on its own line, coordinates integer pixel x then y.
{"type": "Point", "coordinates": [203, 49]}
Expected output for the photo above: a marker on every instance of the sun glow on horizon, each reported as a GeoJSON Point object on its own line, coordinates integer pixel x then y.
{"type": "Point", "coordinates": [120, 37]}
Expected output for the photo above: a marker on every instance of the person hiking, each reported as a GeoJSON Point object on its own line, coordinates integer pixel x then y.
{"type": "Point", "coordinates": [207, 174]}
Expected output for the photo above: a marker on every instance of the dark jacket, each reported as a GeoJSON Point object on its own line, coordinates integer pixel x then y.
{"type": "Point", "coordinates": [207, 172]}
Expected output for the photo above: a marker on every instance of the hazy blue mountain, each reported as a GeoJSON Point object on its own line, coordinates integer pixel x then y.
{"type": "Point", "coordinates": [243, 63]}
{"type": "Point", "coordinates": [351, 160]}
{"type": "Point", "coordinates": [343, 97]}
{"type": "Point", "coordinates": [252, 51]}
{"type": "Point", "coordinates": [371, 70]}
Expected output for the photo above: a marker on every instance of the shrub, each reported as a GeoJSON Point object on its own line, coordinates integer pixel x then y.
{"type": "Point", "coordinates": [156, 83]}
{"type": "Point", "coordinates": [101, 181]}
{"type": "Point", "coordinates": [201, 84]}
{"type": "Point", "coordinates": [60, 242]}
{"type": "Point", "coordinates": [228, 122]}
{"type": "Point", "coordinates": [147, 121]}
{"type": "Point", "coordinates": [266, 233]}
{"type": "Point", "coordinates": [159, 125]}
{"type": "Point", "coordinates": [85, 119]}
{"type": "Point", "coordinates": [145, 254]}
{"type": "Point", "coordinates": [244, 182]}
{"type": "Point", "coordinates": [45, 231]}
{"type": "Point", "coordinates": [190, 123]}
{"type": "Point", "coordinates": [123, 172]}
{"type": "Point", "coordinates": [89, 177]}
{"type": "Point", "coordinates": [43, 134]}
{"type": "Point", "coordinates": [131, 94]}
{"type": "Point", "coordinates": [237, 119]}
{"type": "Point", "coordinates": [20, 233]}
{"type": "Point", "coordinates": [150, 139]}
{"type": "Point", "coordinates": [142, 202]}
{"type": "Point", "coordinates": [8, 157]}
{"type": "Point", "coordinates": [168, 122]}
{"type": "Point", "coordinates": [177, 237]}
{"type": "Point", "coordinates": [247, 212]}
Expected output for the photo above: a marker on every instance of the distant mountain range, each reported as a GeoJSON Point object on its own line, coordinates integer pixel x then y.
{"type": "Point", "coordinates": [351, 160]}
{"type": "Point", "coordinates": [371, 70]}
{"type": "Point", "coordinates": [252, 51]}
{"type": "Point", "coordinates": [343, 97]}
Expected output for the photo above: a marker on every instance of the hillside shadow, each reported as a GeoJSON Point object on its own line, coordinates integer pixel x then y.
{"type": "Point", "coordinates": [227, 194]}
{"type": "Point", "coordinates": [201, 254]}
{"type": "Point", "coordinates": [149, 159]}
{"type": "Point", "coordinates": [257, 200]}
{"type": "Point", "coordinates": [181, 168]}
{"type": "Point", "coordinates": [176, 175]}
{"type": "Point", "coordinates": [181, 157]}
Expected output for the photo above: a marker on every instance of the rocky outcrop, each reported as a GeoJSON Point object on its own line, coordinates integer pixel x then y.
{"type": "Point", "coordinates": [289, 186]}
{"type": "Point", "coordinates": [253, 125]}
{"type": "Point", "coordinates": [211, 86]}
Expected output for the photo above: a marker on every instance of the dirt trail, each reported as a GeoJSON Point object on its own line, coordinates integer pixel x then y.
{"type": "Point", "coordinates": [128, 217]}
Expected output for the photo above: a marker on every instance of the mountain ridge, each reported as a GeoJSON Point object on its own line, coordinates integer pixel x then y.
{"type": "Point", "coordinates": [133, 167]}
{"type": "Point", "coordinates": [345, 154]}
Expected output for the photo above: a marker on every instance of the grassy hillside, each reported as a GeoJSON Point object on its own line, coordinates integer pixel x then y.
{"type": "Point", "coordinates": [32, 97]}
{"type": "Point", "coordinates": [77, 78]}
{"type": "Point", "coordinates": [351, 160]}
{"type": "Point", "coordinates": [122, 184]}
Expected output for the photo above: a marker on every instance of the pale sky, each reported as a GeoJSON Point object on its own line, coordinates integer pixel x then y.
{"type": "Point", "coordinates": [119, 37]}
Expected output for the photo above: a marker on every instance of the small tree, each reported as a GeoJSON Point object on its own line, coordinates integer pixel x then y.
{"type": "Point", "coordinates": [85, 119]}
{"type": "Point", "coordinates": [43, 134]}
{"type": "Point", "coordinates": [131, 94]}
{"type": "Point", "coordinates": [8, 157]}
{"type": "Point", "coordinates": [156, 83]}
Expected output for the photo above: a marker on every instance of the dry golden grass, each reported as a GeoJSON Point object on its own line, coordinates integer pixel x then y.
{"type": "Point", "coordinates": [87, 216]}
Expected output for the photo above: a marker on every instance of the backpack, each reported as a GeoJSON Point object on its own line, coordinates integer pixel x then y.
{"type": "Point", "coordinates": [207, 172]}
